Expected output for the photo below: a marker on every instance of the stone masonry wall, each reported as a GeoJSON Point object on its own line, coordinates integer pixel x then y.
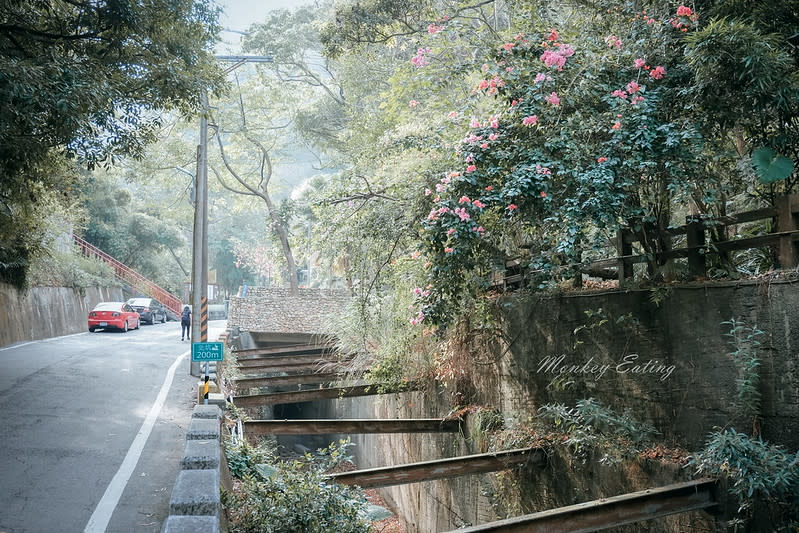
{"type": "Point", "coordinates": [275, 310]}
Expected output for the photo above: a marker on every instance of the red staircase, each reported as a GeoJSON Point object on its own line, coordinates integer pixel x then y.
{"type": "Point", "coordinates": [132, 277]}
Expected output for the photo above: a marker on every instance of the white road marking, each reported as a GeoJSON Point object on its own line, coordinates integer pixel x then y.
{"type": "Point", "coordinates": [41, 340]}
{"type": "Point", "coordinates": [105, 508]}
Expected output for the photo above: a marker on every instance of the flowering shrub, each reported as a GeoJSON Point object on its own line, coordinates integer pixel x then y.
{"type": "Point", "coordinates": [585, 135]}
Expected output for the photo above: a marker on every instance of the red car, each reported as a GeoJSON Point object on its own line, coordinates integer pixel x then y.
{"type": "Point", "coordinates": [117, 315]}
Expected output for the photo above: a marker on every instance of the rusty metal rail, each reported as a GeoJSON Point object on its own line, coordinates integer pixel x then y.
{"type": "Point", "coordinates": [611, 512]}
{"type": "Point", "coordinates": [293, 379]}
{"type": "Point", "coordinates": [128, 275]}
{"type": "Point", "coordinates": [277, 398]}
{"type": "Point", "coordinates": [439, 469]}
{"type": "Point", "coordinates": [351, 426]}
{"type": "Point", "coordinates": [297, 349]}
{"type": "Point", "coordinates": [287, 360]}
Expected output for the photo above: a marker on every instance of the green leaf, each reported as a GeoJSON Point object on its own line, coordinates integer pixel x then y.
{"type": "Point", "coordinates": [374, 512]}
{"type": "Point", "coordinates": [771, 167]}
{"type": "Point", "coordinates": [266, 471]}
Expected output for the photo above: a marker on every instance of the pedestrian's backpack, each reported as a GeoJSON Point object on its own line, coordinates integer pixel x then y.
{"type": "Point", "coordinates": [185, 315]}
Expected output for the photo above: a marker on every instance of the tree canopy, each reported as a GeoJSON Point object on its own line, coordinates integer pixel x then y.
{"type": "Point", "coordinates": [83, 82]}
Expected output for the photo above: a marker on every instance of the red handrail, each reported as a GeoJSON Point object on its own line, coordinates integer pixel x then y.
{"type": "Point", "coordinates": [129, 275]}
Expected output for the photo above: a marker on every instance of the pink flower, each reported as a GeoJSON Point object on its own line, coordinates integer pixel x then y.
{"type": "Point", "coordinates": [508, 69]}
{"type": "Point", "coordinates": [616, 126]}
{"type": "Point", "coordinates": [420, 59]}
{"type": "Point", "coordinates": [471, 168]}
{"type": "Point", "coordinates": [601, 159]}
{"type": "Point", "coordinates": [553, 99]}
{"type": "Point", "coordinates": [540, 77]}
{"type": "Point", "coordinates": [462, 213]}
{"type": "Point", "coordinates": [479, 204]}
{"type": "Point", "coordinates": [432, 29]}
{"type": "Point", "coordinates": [480, 230]}
{"type": "Point", "coordinates": [508, 46]}
{"type": "Point", "coordinates": [413, 103]}
{"type": "Point", "coordinates": [415, 321]}
{"type": "Point", "coordinates": [639, 63]}
{"type": "Point", "coordinates": [636, 99]}
{"type": "Point", "coordinates": [452, 114]}
{"type": "Point", "coordinates": [464, 200]}
{"type": "Point", "coordinates": [542, 194]}
{"type": "Point", "coordinates": [633, 87]}
{"type": "Point", "coordinates": [512, 207]}
{"type": "Point", "coordinates": [493, 122]}
{"type": "Point", "coordinates": [450, 231]}
{"type": "Point", "coordinates": [474, 123]}
{"type": "Point", "coordinates": [440, 187]}
{"type": "Point", "coordinates": [415, 255]}
{"type": "Point", "coordinates": [428, 192]}
{"type": "Point", "coordinates": [532, 120]}
{"type": "Point", "coordinates": [489, 188]}
{"type": "Point", "coordinates": [552, 58]}
{"type": "Point", "coordinates": [620, 93]}
{"type": "Point", "coordinates": [553, 35]}
{"type": "Point", "coordinates": [454, 174]}
{"type": "Point", "coordinates": [565, 50]}
{"type": "Point", "coordinates": [449, 250]}
{"type": "Point", "coordinates": [613, 42]}
{"type": "Point", "coordinates": [493, 137]}
{"type": "Point", "coordinates": [442, 210]}
{"type": "Point", "coordinates": [658, 72]}
{"type": "Point", "coordinates": [484, 146]}
{"type": "Point", "coordinates": [684, 11]}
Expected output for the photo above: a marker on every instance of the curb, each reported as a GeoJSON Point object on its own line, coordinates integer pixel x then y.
{"type": "Point", "coordinates": [195, 501]}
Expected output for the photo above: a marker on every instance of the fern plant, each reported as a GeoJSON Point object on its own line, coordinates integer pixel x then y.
{"type": "Point", "coordinates": [592, 425]}
{"type": "Point", "coordinates": [745, 344]}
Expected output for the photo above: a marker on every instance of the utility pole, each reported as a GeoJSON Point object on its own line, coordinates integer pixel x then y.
{"type": "Point", "coordinates": [199, 265]}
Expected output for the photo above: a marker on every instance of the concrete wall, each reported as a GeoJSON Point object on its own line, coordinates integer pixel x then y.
{"type": "Point", "coordinates": [43, 312]}
{"type": "Point", "coordinates": [511, 373]}
{"type": "Point", "coordinates": [692, 387]}
{"type": "Point", "coordinates": [275, 310]}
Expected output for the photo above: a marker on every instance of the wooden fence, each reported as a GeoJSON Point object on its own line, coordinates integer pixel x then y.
{"type": "Point", "coordinates": [698, 247]}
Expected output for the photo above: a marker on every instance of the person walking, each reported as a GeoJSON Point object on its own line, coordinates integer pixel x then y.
{"type": "Point", "coordinates": [185, 323]}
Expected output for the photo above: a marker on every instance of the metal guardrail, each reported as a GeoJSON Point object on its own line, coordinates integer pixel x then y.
{"type": "Point", "coordinates": [127, 274]}
{"type": "Point", "coordinates": [611, 512]}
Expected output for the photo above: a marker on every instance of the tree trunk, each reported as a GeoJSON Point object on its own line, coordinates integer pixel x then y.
{"type": "Point", "coordinates": [283, 235]}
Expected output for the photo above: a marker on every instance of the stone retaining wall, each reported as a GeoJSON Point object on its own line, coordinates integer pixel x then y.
{"type": "Point", "coordinates": [521, 369]}
{"type": "Point", "coordinates": [276, 310]}
{"type": "Point", "coordinates": [45, 312]}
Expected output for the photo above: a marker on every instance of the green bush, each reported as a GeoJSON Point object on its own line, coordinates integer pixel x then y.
{"type": "Point", "coordinates": [60, 268]}
{"type": "Point", "coordinates": [292, 496]}
{"type": "Point", "coordinates": [755, 470]}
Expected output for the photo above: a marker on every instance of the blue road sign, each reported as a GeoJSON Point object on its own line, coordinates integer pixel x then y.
{"type": "Point", "coordinates": [207, 351]}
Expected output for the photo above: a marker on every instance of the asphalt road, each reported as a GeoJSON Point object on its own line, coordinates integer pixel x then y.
{"type": "Point", "coordinates": [85, 438]}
